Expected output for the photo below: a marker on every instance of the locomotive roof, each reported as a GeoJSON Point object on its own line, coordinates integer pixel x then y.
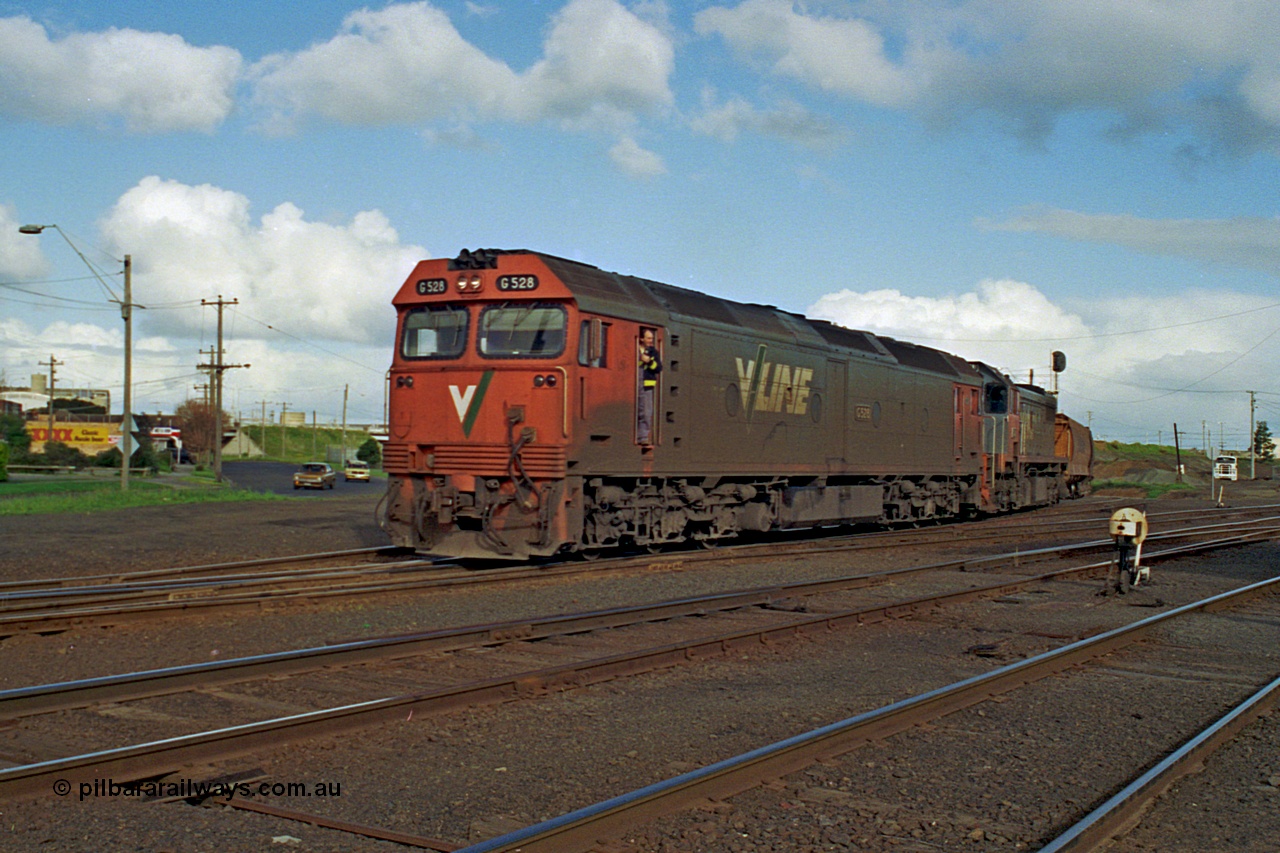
{"type": "Point", "coordinates": [652, 302]}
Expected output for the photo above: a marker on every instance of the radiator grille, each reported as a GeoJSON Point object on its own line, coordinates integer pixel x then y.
{"type": "Point", "coordinates": [395, 458]}
{"type": "Point", "coordinates": [480, 460]}
{"type": "Point", "coordinates": [492, 461]}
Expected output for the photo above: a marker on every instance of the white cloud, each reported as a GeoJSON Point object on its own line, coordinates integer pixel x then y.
{"type": "Point", "coordinates": [1249, 242]}
{"type": "Point", "coordinates": [402, 64]}
{"type": "Point", "coordinates": [314, 279]}
{"type": "Point", "coordinates": [788, 120]}
{"type": "Point", "coordinates": [842, 55]}
{"type": "Point", "coordinates": [1136, 363]}
{"type": "Point", "coordinates": [154, 82]}
{"type": "Point", "coordinates": [1199, 64]}
{"type": "Point", "coordinates": [307, 380]}
{"type": "Point", "coordinates": [20, 255]}
{"type": "Point", "coordinates": [636, 161]}
{"type": "Point", "coordinates": [602, 66]}
{"type": "Point", "coordinates": [988, 324]}
{"type": "Point", "coordinates": [314, 307]}
{"type": "Point", "coordinates": [407, 63]}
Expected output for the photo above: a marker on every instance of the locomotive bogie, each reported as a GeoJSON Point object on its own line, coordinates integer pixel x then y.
{"type": "Point", "coordinates": [516, 425]}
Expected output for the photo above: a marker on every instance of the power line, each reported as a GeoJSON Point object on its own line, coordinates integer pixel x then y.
{"type": "Point", "coordinates": [313, 345]}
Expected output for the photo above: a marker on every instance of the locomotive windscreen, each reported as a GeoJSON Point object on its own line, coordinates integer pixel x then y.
{"type": "Point", "coordinates": [435, 331]}
{"type": "Point", "coordinates": [523, 330]}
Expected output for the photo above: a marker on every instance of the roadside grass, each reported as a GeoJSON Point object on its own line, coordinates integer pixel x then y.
{"type": "Point", "coordinates": [82, 496]}
{"type": "Point", "coordinates": [1137, 451]}
{"type": "Point", "coordinates": [1152, 490]}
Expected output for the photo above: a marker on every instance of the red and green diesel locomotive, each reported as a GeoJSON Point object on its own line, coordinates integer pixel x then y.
{"type": "Point", "coordinates": [517, 418]}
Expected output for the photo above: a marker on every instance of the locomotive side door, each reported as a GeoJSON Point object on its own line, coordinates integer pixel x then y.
{"type": "Point", "coordinates": [968, 422]}
{"type": "Point", "coordinates": [649, 367]}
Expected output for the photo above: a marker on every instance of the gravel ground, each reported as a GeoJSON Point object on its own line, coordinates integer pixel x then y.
{"type": "Point", "coordinates": [474, 773]}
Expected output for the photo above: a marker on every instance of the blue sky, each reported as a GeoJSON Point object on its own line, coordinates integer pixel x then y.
{"type": "Point", "coordinates": [999, 179]}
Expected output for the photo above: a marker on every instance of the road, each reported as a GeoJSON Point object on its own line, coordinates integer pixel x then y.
{"type": "Point", "coordinates": [277, 477]}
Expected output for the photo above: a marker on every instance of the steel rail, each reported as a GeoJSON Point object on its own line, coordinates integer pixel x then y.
{"type": "Point", "coordinates": [583, 828]}
{"type": "Point", "coordinates": [1123, 810]}
{"type": "Point", "coordinates": [149, 595]}
{"type": "Point", "coordinates": [189, 571]}
{"type": "Point", "coordinates": [46, 698]}
{"type": "Point", "coordinates": [274, 588]}
{"type": "Point", "coordinates": [161, 757]}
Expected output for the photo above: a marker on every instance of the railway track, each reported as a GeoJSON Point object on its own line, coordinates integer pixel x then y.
{"type": "Point", "coordinates": [745, 621]}
{"type": "Point", "coordinates": [48, 606]}
{"type": "Point", "coordinates": [618, 816]}
{"type": "Point", "coordinates": [781, 598]}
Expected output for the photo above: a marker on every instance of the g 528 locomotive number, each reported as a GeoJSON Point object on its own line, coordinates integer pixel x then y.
{"type": "Point", "coordinates": [517, 282]}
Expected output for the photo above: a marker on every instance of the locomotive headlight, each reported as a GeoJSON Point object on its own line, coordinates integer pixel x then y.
{"type": "Point", "coordinates": [551, 380]}
{"type": "Point", "coordinates": [469, 284]}
{"type": "Point", "coordinates": [538, 381]}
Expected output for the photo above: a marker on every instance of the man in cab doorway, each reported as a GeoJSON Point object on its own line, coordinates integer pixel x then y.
{"type": "Point", "coordinates": [650, 366]}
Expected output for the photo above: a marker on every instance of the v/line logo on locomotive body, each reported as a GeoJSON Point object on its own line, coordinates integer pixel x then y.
{"type": "Point", "coordinates": [529, 353]}
{"type": "Point", "coordinates": [789, 391]}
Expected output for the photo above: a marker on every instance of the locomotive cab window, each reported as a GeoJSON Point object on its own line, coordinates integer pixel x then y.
{"type": "Point", "coordinates": [593, 344]}
{"type": "Point", "coordinates": [523, 330]}
{"type": "Point", "coordinates": [997, 399]}
{"type": "Point", "coordinates": [434, 331]}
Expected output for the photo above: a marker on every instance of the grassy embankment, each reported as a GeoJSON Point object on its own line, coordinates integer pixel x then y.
{"type": "Point", "coordinates": [1152, 469]}
{"type": "Point", "coordinates": [94, 491]}
{"type": "Point", "coordinates": [77, 493]}
{"type": "Point", "coordinates": [302, 443]}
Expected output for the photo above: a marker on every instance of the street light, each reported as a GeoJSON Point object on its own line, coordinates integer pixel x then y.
{"type": "Point", "coordinates": [126, 312]}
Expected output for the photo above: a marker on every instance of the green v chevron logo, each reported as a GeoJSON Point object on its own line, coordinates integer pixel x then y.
{"type": "Point", "coordinates": [467, 402]}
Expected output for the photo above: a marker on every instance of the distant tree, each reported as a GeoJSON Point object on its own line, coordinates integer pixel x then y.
{"type": "Point", "coordinates": [370, 452]}
{"type": "Point", "coordinates": [145, 456]}
{"type": "Point", "coordinates": [58, 453]}
{"type": "Point", "coordinates": [13, 431]}
{"type": "Point", "coordinates": [4, 461]}
{"type": "Point", "coordinates": [1263, 444]}
{"type": "Point", "coordinates": [196, 419]}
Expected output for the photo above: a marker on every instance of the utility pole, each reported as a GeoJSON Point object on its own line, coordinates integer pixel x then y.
{"type": "Point", "coordinates": [53, 370]}
{"type": "Point", "coordinates": [283, 441]}
{"type": "Point", "coordinates": [1177, 452]}
{"type": "Point", "coordinates": [345, 389]}
{"type": "Point", "coordinates": [217, 368]}
{"type": "Point", "coordinates": [263, 424]}
{"type": "Point", "coordinates": [126, 418]}
{"type": "Point", "coordinates": [1253, 456]}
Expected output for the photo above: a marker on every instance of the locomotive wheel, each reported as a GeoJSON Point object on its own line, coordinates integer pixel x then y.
{"type": "Point", "coordinates": [589, 554]}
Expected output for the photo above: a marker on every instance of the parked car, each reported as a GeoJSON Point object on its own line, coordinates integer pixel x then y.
{"type": "Point", "coordinates": [356, 470]}
{"type": "Point", "coordinates": [315, 475]}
